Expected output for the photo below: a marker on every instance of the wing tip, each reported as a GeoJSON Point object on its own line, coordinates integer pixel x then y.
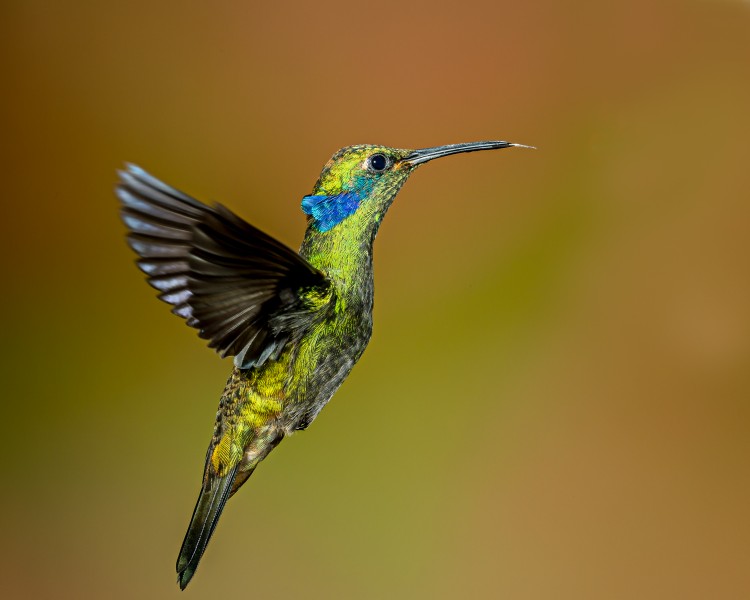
{"type": "Point", "coordinates": [134, 169]}
{"type": "Point", "coordinates": [130, 170]}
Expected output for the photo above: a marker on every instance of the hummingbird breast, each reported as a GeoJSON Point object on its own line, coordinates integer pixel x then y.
{"type": "Point", "coordinates": [327, 354]}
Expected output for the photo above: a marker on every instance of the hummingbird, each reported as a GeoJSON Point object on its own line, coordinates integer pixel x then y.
{"type": "Point", "coordinates": [294, 323]}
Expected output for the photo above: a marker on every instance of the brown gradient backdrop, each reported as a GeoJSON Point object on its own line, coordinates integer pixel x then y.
{"type": "Point", "coordinates": [555, 400]}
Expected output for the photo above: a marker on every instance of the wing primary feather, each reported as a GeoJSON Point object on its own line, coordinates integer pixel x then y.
{"type": "Point", "coordinates": [160, 266]}
{"type": "Point", "coordinates": [145, 177]}
{"type": "Point", "coordinates": [149, 247]}
{"type": "Point", "coordinates": [136, 202]}
{"type": "Point", "coordinates": [168, 282]}
{"type": "Point", "coordinates": [149, 227]}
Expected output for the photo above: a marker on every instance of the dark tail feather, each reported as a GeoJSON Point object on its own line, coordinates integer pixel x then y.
{"type": "Point", "coordinates": [211, 501]}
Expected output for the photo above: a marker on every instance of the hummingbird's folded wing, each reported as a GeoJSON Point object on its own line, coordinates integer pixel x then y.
{"type": "Point", "coordinates": [247, 293]}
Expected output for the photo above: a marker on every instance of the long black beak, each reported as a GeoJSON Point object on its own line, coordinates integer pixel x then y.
{"type": "Point", "coordinates": [417, 157]}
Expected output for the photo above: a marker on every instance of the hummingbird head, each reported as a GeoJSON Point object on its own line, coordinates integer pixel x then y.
{"type": "Point", "coordinates": [362, 181]}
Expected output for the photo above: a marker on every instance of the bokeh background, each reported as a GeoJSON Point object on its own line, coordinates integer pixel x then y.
{"type": "Point", "coordinates": [555, 402]}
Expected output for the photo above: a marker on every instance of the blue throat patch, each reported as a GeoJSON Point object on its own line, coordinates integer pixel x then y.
{"type": "Point", "coordinates": [329, 211]}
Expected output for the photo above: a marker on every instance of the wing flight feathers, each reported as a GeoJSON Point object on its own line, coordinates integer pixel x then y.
{"type": "Point", "coordinates": [245, 292]}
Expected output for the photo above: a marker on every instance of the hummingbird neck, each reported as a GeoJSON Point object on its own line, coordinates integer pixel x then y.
{"type": "Point", "coordinates": [343, 251]}
{"type": "Point", "coordinates": [344, 254]}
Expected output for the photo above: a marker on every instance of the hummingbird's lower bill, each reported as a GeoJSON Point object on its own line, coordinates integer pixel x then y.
{"type": "Point", "coordinates": [295, 323]}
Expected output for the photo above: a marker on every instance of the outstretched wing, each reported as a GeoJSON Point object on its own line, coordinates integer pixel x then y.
{"type": "Point", "coordinates": [245, 292]}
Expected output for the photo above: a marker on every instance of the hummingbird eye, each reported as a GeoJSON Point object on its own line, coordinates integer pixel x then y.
{"type": "Point", "coordinates": [378, 163]}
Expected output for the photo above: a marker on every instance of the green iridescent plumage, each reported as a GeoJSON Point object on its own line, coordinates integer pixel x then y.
{"type": "Point", "coordinates": [295, 323]}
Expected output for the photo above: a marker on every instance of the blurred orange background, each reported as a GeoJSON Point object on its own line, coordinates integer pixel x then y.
{"type": "Point", "coordinates": [555, 400]}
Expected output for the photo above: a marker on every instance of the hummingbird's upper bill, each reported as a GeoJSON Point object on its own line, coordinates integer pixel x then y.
{"type": "Point", "coordinates": [417, 157]}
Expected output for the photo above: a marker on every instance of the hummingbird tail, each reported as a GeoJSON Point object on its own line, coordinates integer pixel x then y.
{"type": "Point", "coordinates": [214, 495]}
